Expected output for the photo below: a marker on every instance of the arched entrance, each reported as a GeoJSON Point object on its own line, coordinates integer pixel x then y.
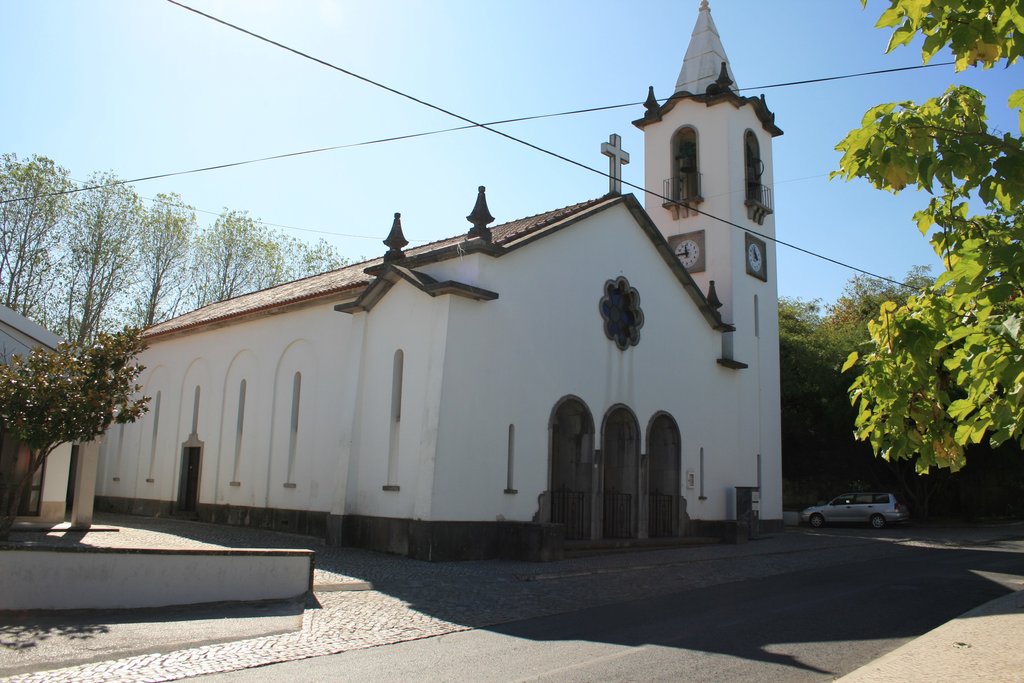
{"type": "Point", "coordinates": [663, 454]}
{"type": "Point", "coordinates": [620, 451]}
{"type": "Point", "coordinates": [572, 468]}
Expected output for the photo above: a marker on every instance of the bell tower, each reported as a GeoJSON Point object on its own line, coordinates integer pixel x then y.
{"type": "Point", "coordinates": [708, 170]}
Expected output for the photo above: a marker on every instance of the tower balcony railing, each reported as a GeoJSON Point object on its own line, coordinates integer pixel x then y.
{"type": "Point", "coordinates": [759, 201]}
{"type": "Point", "coordinates": [681, 192]}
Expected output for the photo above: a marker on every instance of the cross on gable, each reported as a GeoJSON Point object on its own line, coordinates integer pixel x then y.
{"type": "Point", "coordinates": [617, 158]}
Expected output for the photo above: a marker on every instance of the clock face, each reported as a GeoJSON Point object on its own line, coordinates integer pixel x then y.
{"type": "Point", "coordinates": [689, 249]}
{"type": "Point", "coordinates": [754, 257]}
{"type": "Point", "coordinates": [688, 252]}
{"type": "Point", "coordinates": [757, 258]}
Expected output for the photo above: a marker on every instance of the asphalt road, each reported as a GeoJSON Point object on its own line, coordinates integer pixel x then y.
{"type": "Point", "coordinates": [802, 626]}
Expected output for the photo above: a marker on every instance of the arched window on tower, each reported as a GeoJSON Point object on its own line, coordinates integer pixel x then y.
{"type": "Point", "coordinates": [757, 195]}
{"type": "Point", "coordinates": [683, 188]}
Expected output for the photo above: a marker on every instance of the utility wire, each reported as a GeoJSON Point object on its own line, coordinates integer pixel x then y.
{"type": "Point", "coordinates": [469, 125]}
{"type": "Point", "coordinates": [520, 141]}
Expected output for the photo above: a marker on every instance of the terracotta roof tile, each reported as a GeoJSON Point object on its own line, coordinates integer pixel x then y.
{"type": "Point", "coordinates": [351, 278]}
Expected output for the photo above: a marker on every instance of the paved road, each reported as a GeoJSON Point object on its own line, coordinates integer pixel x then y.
{"type": "Point", "coordinates": [416, 600]}
{"type": "Point", "coordinates": [810, 625]}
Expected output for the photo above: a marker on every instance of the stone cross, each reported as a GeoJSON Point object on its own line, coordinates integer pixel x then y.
{"type": "Point", "coordinates": [617, 158]}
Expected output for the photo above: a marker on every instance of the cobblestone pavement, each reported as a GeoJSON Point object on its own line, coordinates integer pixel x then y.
{"type": "Point", "coordinates": [412, 599]}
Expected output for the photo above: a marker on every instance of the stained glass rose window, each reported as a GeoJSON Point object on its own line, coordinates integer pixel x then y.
{"type": "Point", "coordinates": [620, 308]}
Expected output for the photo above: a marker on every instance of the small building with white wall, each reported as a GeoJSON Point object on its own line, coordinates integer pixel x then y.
{"type": "Point", "coordinates": [67, 476]}
{"type": "Point", "coordinates": [606, 370]}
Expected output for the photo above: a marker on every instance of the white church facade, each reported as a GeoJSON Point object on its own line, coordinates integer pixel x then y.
{"type": "Point", "coordinates": [574, 375]}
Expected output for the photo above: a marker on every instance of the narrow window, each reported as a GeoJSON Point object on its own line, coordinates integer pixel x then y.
{"type": "Point", "coordinates": [758, 471]}
{"type": "Point", "coordinates": [686, 171]}
{"type": "Point", "coordinates": [239, 424]}
{"type": "Point", "coordinates": [757, 318]}
{"type": "Point", "coordinates": [152, 445]}
{"type": "Point", "coordinates": [195, 412]}
{"type": "Point", "coordinates": [702, 496]}
{"type": "Point", "coordinates": [509, 488]}
{"type": "Point", "coordinates": [293, 432]}
{"type": "Point", "coordinates": [754, 169]}
{"type": "Point", "coordinates": [397, 370]}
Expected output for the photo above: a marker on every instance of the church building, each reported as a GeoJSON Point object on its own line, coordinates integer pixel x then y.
{"type": "Point", "coordinates": [604, 371]}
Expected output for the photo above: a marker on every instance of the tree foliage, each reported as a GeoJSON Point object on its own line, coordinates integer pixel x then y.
{"type": "Point", "coordinates": [80, 263]}
{"type": "Point", "coordinates": [946, 369]}
{"type": "Point", "coordinates": [70, 394]}
{"type": "Point", "coordinates": [31, 231]}
{"type": "Point", "coordinates": [167, 229]}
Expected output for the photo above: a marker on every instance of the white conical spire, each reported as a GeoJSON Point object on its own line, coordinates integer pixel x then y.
{"type": "Point", "coordinates": [704, 56]}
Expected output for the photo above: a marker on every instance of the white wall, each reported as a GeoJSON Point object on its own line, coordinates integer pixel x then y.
{"type": "Point", "coordinates": [54, 579]}
{"type": "Point", "coordinates": [266, 352]}
{"type": "Point", "coordinates": [510, 360]}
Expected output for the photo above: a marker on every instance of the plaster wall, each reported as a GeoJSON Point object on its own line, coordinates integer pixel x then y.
{"type": "Point", "coordinates": [416, 324]}
{"type": "Point", "coordinates": [749, 304]}
{"type": "Point", "coordinates": [50, 579]}
{"type": "Point", "coordinates": [266, 352]}
{"type": "Point", "coordinates": [512, 359]}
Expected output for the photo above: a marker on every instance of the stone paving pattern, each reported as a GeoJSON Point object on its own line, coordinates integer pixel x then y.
{"type": "Point", "coordinates": [413, 599]}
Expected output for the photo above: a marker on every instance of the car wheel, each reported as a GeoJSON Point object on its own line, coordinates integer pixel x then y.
{"type": "Point", "coordinates": [817, 521]}
{"type": "Point", "coordinates": [878, 521]}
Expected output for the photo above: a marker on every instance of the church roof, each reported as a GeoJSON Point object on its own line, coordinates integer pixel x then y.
{"type": "Point", "coordinates": [354, 278]}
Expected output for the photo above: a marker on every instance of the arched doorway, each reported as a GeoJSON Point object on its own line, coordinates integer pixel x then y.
{"type": "Point", "coordinates": [572, 468]}
{"type": "Point", "coordinates": [620, 451]}
{"type": "Point", "coordinates": [663, 454]}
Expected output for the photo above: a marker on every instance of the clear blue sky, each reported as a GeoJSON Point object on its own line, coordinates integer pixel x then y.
{"type": "Point", "coordinates": [141, 87]}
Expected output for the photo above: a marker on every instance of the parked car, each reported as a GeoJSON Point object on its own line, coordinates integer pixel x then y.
{"type": "Point", "coordinates": [876, 509]}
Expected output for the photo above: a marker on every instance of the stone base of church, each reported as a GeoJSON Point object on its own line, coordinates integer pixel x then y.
{"type": "Point", "coordinates": [437, 541]}
{"type": "Point", "coordinates": [419, 539]}
{"type": "Point", "coordinates": [731, 530]}
{"type": "Point", "coordinates": [143, 507]}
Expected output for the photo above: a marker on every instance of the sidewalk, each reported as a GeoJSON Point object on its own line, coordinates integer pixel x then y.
{"type": "Point", "coordinates": [411, 600]}
{"type": "Point", "coordinates": [985, 644]}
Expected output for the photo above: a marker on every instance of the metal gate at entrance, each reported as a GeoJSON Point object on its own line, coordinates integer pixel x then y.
{"type": "Point", "coordinates": [661, 513]}
{"type": "Point", "coordinates": [570, 508]}
{"type": "Point", "coordinates": [618, 515]}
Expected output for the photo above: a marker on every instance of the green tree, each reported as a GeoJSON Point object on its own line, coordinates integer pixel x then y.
{"type": "Point", "coordinates": [303, 259]}
{"type": "Point", "coordinates": [167, 231]}
{"type": "Point", "coordinates": [946, 369]}
{"type": "Point", "coordinates": [235, 256]}
{"type": "Point", "coordinates": [70, 394]}
{"type": "Point", "coordinates": [33, 218]}
{"type": "Point", "coordinates": [100, 259]}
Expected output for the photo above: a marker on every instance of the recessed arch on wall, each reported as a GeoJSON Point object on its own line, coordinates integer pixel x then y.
{"type": "Point", "coordinates": [664, 475]}
{"type": "Point", "coordinates": [571, 487]}
{"type": "Point", "coordinates": [620, 469]}
{"type": "Point", "coordinates": [241, 394]}
{"type": "Point", "coordinates": [685, 171]}
{"type": "Point", "coordinates": [294, 375]}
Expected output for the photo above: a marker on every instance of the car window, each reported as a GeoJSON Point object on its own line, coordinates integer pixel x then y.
{"type": "Point", "coordinates": [844, 499]}
{"type": "Point", "coordinates": [881, 497]}
{"type": "Point", "coordinates": [862, 498]}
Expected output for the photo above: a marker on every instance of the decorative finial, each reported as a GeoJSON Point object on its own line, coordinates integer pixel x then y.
{"type": "Point", "coordinates": [651, 103]}
{"type": "Point", "coordinates": [722, 83]}
{"type": "Point", "coordinates": [396, 241]}
{"type": "Point", "coordinates": [704, 6]}
{"type": "Point", "coordinates": [617, 158]}
{"type": "Point", "coordinates": [480, 216]}
{"type": "Point", "coordinates": [713, 299]}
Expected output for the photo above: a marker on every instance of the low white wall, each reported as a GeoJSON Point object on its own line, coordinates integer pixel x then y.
{"type": "Point", "coordinates": [105, 578]}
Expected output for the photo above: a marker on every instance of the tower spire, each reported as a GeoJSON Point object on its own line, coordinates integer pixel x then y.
{"type": "Point", "coordinates": [704, 56]}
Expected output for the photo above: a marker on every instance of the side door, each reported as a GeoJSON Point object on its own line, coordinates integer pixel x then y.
{"type": "Point", "coordinates": [841, 509]}
{"type": "Point", "coordinates": [864, 506]}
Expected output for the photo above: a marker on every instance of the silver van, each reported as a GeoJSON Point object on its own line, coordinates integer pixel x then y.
{"type": "Point", "coordinates": [876, 509]}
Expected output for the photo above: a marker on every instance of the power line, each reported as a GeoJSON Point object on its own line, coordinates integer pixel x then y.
{"type": "Point", "coordinates": [520, 141]}
{"type": "Point", "coordinates": [316, 150]}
